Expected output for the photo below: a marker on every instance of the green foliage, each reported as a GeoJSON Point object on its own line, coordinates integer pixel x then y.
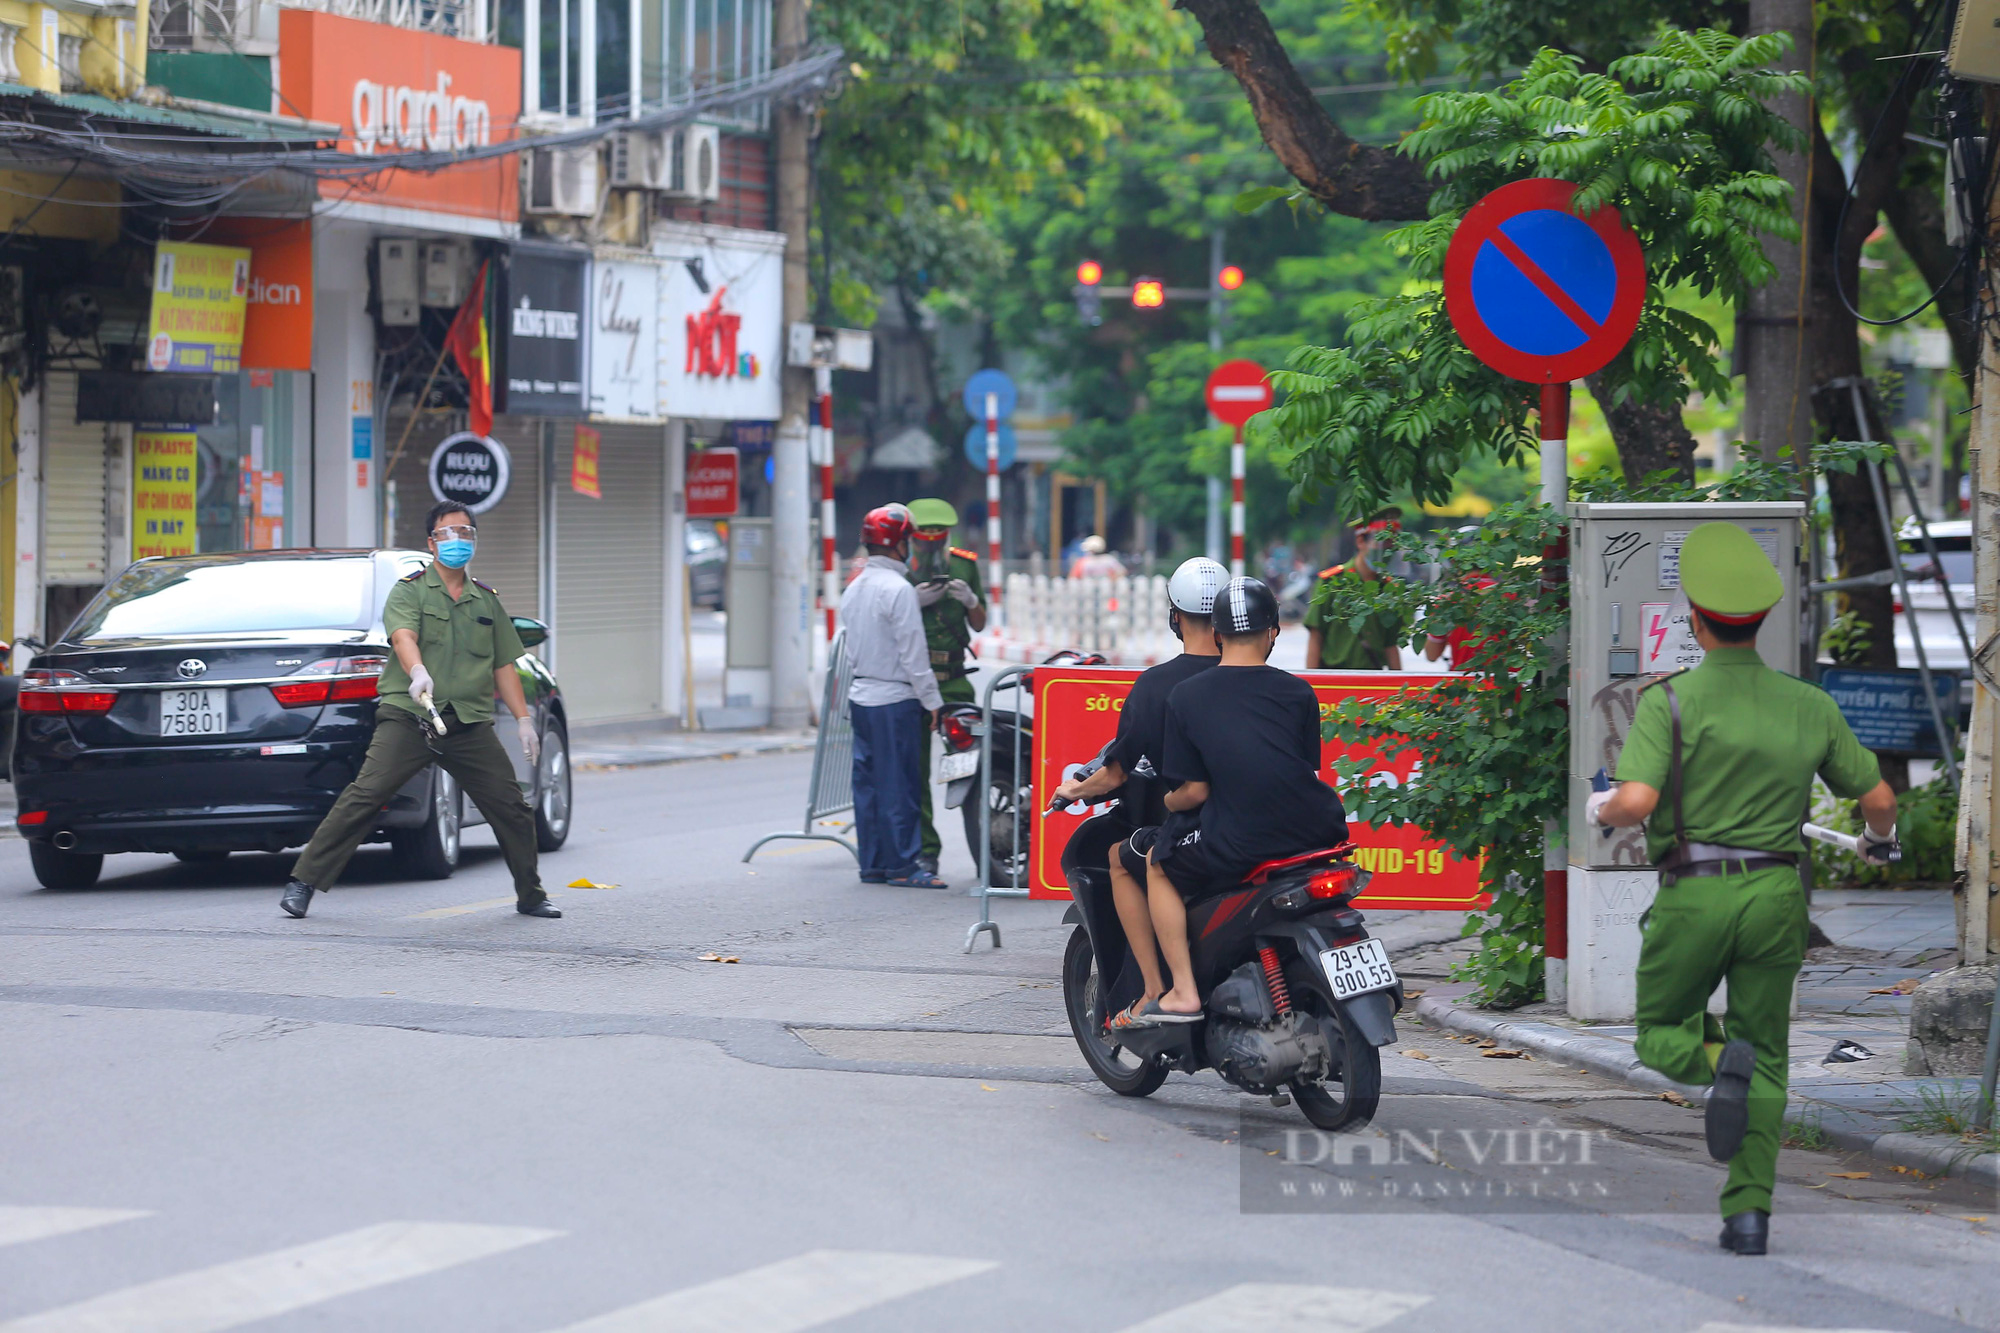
{"type": "Point", "coordinates": [1847, 641]}
{"type": "Point", "coordinates": [1751, 479]}
{"type": "Point", "coordinates": [1926, 824]}
{"type": "Point", "coordinates": [1677, 139]}
{"type": "Point", "coordinates": [1493, 742]}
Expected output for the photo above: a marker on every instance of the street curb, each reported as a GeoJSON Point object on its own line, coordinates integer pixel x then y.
{"type": "Point", "coordinates": [658, 761]}
{"type": "Point", "coordinates": [1929, 1153]}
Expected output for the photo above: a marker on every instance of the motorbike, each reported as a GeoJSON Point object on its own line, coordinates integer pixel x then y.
{"type": "Point", "coordinates": [1300, 998]}
{"type": "Point", "coordinates": [1008, 793]}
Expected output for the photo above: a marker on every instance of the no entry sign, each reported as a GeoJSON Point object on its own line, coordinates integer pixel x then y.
{"type": "Point", "coordinates": [1539, 293]}
{"type": "Point", "coordinates": [1237, 391]}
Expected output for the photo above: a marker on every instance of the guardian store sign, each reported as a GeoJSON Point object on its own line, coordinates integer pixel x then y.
{"type": "Point", "coordinates": [542, 332]}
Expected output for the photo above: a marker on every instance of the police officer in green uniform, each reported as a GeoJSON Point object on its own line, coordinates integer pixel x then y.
{"type": "Point", "coordinates": [1722, 758]}
{"type": "Point", "coordinates": [947, 579]}
{"type": "Point", "coordinates": [452, 646]}
{"type": "Point", "coordinates": [1332, 643]}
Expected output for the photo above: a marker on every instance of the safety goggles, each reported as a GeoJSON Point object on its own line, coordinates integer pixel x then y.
{"type": "Point", "coordinates": [446, 534]}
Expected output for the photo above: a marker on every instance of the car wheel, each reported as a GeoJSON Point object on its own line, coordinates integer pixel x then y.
{"type": "Point", "coordinates": [552, 810]}
{"type": "Point", "coordinates": [203, 856]}
{"type": "Point", "coordinates": [431, 851]}
{"type": "Point", "coordinates": [57, 869]}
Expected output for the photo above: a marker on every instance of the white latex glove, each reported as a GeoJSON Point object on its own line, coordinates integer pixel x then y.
{"type": "Point", "coordinates": [928, 594]}
{"type": "Point", "coordinates": [1593, 807]}
{"type": "Point", "coordinates": [1875, 848]}
{"type": "Point", "coordinates": [420, 682]}
{"type": "Point", "coordinates": [531, 743]}
{"type": "Point", "coordinates": [962, 593]}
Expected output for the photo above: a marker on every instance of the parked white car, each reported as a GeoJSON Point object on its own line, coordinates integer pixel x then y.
{"type": "Point", "coordinates": [1942, 645]}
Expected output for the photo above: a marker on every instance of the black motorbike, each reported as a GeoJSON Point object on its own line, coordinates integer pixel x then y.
{"type": "Point", "coordinates": [1299, 997]}
{"type": "Point", "coordinates": [1009, 790]}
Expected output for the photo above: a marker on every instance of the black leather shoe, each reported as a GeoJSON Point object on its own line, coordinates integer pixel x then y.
{"type": "Point", "coordinates": [1727, 1112]}
{"type": "Point", "coordinates": [1746, 1232]}
{"type": "Point", "coordinates": [297, 898]}
{"type": "Point", "coordinates": [542, 908]}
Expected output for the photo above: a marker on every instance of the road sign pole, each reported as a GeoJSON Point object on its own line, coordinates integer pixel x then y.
{"type": "Point", "coordinates": [1555, 444]}
{"type": "Point", "coordinates": [1554, 432]}
{"type": "Point", "coordinates": [1236, 505]}
{"type": "Point", "coordinates": [993, 511]}
{"type": "Point", "coordinates": [829, 574]}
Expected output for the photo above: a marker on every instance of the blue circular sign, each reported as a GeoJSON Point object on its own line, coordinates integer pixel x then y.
{"type": "Point", "coordinates": [994, 382]}
{"type": "Point", "coordinates": [975, 445]}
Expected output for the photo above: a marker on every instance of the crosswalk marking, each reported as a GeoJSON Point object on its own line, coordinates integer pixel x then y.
{"type": "Point", "coordinates": [19, 1225]}
{"type": "Point", "coordinates": [813, 1289]}
{"type": "Point", "coordinates": [268, 1285]}
{"type": "Point", "coordinates": [1276, 1307]}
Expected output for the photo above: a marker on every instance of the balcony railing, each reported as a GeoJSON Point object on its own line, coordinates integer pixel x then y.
{"type": "Point", "coordinates": [250, 27]}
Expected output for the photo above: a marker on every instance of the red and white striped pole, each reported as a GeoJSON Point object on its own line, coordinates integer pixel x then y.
{"type": "Point", "coordinates": [1554, 435]}
{"type": "Point", "coordinates": [829, 570]}
{"type": "Point", "coordinates": [1236, 505]}
{"type": "Point", "coordinates": [993, 510]}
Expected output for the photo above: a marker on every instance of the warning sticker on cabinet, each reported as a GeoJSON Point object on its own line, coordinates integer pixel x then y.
{"type": "Point", "coordinates": [1666, 637]}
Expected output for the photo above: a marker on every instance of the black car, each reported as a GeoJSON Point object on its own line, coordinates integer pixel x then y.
{"type": "Point", "coordinates": [707, 563]}
{"type": "Point", "coordinates": [208, 704]}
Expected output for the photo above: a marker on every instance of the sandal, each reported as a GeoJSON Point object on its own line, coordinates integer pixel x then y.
{"type": "Point", "coordinates": [1153, 1014]}
{"type": "Point", "coordinates": [919, 879]}
{"type": "Point", "coordinates": [1126, 1019]}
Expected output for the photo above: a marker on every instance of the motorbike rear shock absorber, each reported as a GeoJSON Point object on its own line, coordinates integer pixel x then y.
{"type": "Point", "coordinates": [1274, 977]}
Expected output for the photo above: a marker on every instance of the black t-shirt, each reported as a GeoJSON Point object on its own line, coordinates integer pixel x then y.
{"type": "Point", "coordinates": [1142, 726]}
{"type": "Point", "coordinates": [1252, 734]}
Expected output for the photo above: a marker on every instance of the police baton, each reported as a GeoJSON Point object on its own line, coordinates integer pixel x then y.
{"type": "Point", "coordinates": [437, 722]}
{"type": "Point", "coordinates": [1846, 841]}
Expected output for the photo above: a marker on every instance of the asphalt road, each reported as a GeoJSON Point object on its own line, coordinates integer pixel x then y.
{"type": "Point", "coordinates": [418, 1110]}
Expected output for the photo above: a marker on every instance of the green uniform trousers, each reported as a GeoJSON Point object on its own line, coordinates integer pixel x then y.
{"type": "Point", "coordinates": [1751, 931]}
{"type": "Point", "coordinates": [958, 691]}
{"type": "Point", "coordinates": [470, 753]}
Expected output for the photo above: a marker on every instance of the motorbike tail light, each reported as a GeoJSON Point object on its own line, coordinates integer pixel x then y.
{"type": "Point", "coordinates": [958, 733]}
{"type": "Point", "coordinates": [1341, 881]}
{"type": "Point", "coordinates": [52, 691]}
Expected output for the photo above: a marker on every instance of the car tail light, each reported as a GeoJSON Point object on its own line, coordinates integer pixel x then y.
{"type": "Point", "coordinates": [31, 818]}
{"type": "Point", "coordinates": [331, 680]}
{"type": "Point", "coordinates": [50, 691]}
{"type": "Point", "coordinates": [1338, 882]}
{"type": "Point", "coordinates": [958, 732]}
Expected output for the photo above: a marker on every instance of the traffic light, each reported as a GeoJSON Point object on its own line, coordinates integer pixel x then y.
{"type": "Point", "coordinates": [1088, 274]}
{"type": "Point", "coordinates": [1230, 278]}
{"type": "Point", "coordinates": [1148, 293]}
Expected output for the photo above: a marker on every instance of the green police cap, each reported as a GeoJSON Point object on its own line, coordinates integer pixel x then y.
{"type": "Point", "coordinates": [933, 514]}
{"type": "Point", "coordinates": [1725, 572]}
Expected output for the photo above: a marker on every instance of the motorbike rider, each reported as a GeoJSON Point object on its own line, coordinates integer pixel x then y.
{"type": "Point", "coordinates": [1242, 753]}
{"type": "Point", "coordinates": [1133, 759]}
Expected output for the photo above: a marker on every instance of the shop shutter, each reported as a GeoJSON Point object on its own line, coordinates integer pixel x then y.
{"type": "Point", "coordinates": [73, 463]}
{"type": "Point", "coordinates": [610, 575]}
{"type": "Point", "coordinates": [510, 533]}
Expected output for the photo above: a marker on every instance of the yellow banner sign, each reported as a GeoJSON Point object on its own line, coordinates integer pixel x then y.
{"type": "Point", "coordinates": [163, 489]}
{"type": "Point", "coordinates": [200, 293]}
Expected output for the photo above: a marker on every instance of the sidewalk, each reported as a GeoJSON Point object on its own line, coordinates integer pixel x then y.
{"type": "Point", "coordinates": [1883, 941]}
{"type": "Point", "coordinates": [639, 749]}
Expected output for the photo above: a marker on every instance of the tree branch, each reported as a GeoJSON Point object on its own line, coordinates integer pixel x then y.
{"type": "Point", "coordinates": [1351, 178]}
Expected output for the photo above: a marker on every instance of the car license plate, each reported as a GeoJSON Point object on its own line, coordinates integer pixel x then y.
{"type": "Point", "coordinates": [961, 765]}
{"type": "Point", "coordinates": [194, 712]}
{"type": "Point", "coordinates": [1356, 969]}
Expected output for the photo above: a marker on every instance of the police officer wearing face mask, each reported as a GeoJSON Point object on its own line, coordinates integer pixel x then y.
{"type": "Point", "coordinates": [948, 590]}
{"type": "Point", "coordinates": [452, 648]}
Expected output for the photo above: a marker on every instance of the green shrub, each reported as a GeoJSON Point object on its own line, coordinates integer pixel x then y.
{"type": "Point", "coordinates": [1926, 822]}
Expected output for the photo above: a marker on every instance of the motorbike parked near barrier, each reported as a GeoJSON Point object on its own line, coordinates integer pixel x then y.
{"type": "Point", "coordinates": [1299, 996]}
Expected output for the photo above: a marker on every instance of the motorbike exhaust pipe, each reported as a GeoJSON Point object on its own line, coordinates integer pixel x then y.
{"type": "Point", "coordinates": [65, 841]}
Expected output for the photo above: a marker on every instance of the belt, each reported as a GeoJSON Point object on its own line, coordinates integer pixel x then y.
{"type": "Point", "coordinates": [1701, 860]}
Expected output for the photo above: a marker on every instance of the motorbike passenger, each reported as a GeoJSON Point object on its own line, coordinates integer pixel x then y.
{"type": "Point", "coordinates": [1133, 759]}
{"type": "Point", "coordinates": [1242, 755]}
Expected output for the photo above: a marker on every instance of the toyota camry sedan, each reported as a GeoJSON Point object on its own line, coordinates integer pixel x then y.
{"type": "Point", "coordinates": [209, 704]}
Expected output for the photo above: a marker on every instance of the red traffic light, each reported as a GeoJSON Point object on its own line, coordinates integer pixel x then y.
{"type": "Point", "coordinates": [1148, 293]}
{"type": "Point", "coordinates": [1230, 278]}
{"type": "Point", "coordinates": [1090, 273]}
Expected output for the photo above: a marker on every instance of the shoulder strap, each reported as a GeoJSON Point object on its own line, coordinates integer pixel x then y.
{"type": "Point", "coordinates": [1675, 778]}
{"type": "Point", "coordinates": [413, 575]}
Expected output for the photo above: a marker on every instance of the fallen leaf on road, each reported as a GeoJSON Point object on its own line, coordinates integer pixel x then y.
{"type": "Point", "coordinates": [1488, 1044]}
{"type": "Point", "coordinates": [1413, 995]}
{"type": "Point", "coordinates": [1500, 1053]}
{"type": "Point", "coordinates": [1676, 1099]}
{"type": "Point", "coordinates": [1848, 1175]}
{"type": "Point", "coordinates": [1104, 1137]}
{"type": "Point", "coordinates": [588, 884]}
{"type": "Point", "coordinates": [1418, 1055]}
{"type": "Point", "coordinates": [1903, 987]}
{"type": "Point", "coordinates": [720, 958]}
{"type": "Point", "coordinates": [1980, 1218]}
{"type": "Point", "coordinates": [988, 1087]}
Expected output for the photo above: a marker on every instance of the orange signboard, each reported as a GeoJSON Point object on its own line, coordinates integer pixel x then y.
{"type": "Point", "coordinates": [397, 90]}
{"type": "Point", "coordinates": [278, 321]}
{"type": "Point", "coordinates": [1076, 713]}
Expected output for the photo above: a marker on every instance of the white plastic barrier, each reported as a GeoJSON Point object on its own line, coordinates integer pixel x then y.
{"type": "Point", "coordinates": [1124, 618]}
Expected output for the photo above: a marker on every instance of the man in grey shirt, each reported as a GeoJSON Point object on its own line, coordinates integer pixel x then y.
{"type": "Point", "coordinates": [892, 702]}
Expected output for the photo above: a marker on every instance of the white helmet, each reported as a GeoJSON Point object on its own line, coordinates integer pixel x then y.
{"type": "Point", "coordinates": [1195, 585]}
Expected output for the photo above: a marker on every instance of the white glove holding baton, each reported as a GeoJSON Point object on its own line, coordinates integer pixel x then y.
{"type": "Point", "coordinates": [531, 741]}
{"type": "Point", "coordinates": [962, 593]}
{"type": "Point", "coordinates": [420, 682]}
{"type": "Point", "coordinates": [1877, 849]}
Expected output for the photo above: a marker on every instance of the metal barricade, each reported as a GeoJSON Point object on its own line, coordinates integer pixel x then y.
{"type": "Point", "coordinates": [832, 789]}
{"type": "Point", "coordinates": [1023, 817]}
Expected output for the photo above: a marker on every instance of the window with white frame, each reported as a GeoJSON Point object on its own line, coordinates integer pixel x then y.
{"type": "Point", "coordinates": [609, 59]}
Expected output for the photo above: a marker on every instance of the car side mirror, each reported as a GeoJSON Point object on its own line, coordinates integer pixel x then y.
{"type": "Point", "coordinates": [532, 631]}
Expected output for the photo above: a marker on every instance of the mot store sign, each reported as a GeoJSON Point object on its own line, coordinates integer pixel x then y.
{"type": "Point", "coordinates": [470, 470]}
{"type": "Point", "coordinates": [542, 324]}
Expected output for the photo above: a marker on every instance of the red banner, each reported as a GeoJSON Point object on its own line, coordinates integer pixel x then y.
{"type": "Point", "coordinates": [1076, 713]}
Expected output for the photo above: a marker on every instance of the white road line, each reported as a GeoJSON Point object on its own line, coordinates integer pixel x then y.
{"type": "Point", "coordinates": [19, 1225]}
{"type": "Point", "coordinates": [1275, 1307]}
{"type": "Point", "coordinates": [1778, 1328]}
{"type": "Point", "coordinates": [269, 1285]}
{"type": "Point", "coordinates": [462, 909]}
{"type": "Point", "coordinates": [813, 1289]}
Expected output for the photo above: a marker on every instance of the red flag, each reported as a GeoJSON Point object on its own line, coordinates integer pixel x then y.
{"type": "Point", "coordinates": [471, 347]}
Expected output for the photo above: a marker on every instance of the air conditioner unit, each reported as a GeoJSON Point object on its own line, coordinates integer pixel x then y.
{"type": "Point", "coordinates": [563, 181]}
{"type": "Point", "coordinates": [396, 279]}
{"type": "Point", "coordinates": [696, 175]}
{"type": "Point", "coordinates": [641, 160]}
{"type": "Point", "coordinates": [447, 274]}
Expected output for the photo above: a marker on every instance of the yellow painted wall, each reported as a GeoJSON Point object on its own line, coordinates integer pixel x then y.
{"type": "Point", "coordinates": [22, 191]}
{"type": "Point", "coordinates": [113, 59]}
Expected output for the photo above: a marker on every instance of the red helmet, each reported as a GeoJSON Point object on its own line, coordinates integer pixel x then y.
{"type": "Point", "coordinates": [886, 526]}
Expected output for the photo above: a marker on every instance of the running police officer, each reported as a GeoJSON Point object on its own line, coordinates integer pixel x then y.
{"type": "Point", "coordinates": [947, 579]}
{"type": "Point", "coordinates": [1734, 746]}
{"type": "Point", "coordinates": [452, 647]}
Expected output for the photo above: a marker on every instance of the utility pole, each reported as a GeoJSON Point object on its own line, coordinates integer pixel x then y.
{"type": "Point", "coordinates": [1216, 312]}
{"type": "Point", "coordinates": [791, 547]}
{"type": "Point", "coordinates": [1776, 355]}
